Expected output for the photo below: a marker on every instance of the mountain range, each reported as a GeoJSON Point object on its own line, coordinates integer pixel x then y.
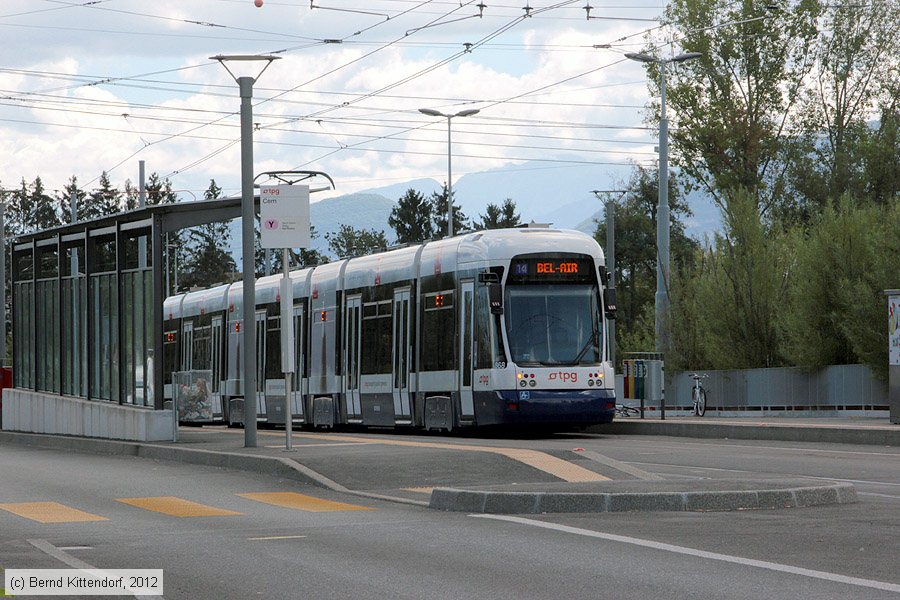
{"type": "Point", "coordinates": [560, 196]}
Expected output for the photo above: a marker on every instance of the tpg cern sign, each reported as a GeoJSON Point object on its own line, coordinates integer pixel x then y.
{"type": "Point", "coordinates": [284, 212]}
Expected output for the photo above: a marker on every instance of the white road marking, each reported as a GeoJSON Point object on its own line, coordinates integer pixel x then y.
{"type": "Point", "coordinates": [328, 445]}
{"type": "Point", "coordinates": [76, 563]}
{"type": "Point", "coordinates": [750, 562]}
{"type": "Point", "coordinates": [792, 448]}
{"type": "Point", "coordinates": [879, 495]}
{"type": "Point", "coordinates": [861, 481]}
{"type": "Point", "coordinates": [275, 537]}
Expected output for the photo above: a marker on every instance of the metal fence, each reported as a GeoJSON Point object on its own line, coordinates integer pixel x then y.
{"type": "Point", "coordinates": [850, 390]}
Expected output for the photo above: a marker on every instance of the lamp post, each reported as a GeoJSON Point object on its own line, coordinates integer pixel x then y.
{"type": "Point", "coordinates": [248, 232]}
{"type": "Point", "coordinates": [662, 212]}
{"type": "Point", "coordinates": [610, 207]}
{"type": "Point", "coordinates": [3, 275]}
{"type": "Point", "coordinates": [436, 113]}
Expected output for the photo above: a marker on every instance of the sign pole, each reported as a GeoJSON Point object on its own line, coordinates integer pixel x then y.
{"type": "Point", "coordinates": [287, 348]}
{"type": "Point", "coordinates": [284, 211]}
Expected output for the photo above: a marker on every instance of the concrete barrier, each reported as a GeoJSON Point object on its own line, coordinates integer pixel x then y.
{"type": "Point", "coordinates": [38, 412]}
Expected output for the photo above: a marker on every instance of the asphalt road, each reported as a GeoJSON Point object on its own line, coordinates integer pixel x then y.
{"type": "Point", "coordinates": [401, 551]}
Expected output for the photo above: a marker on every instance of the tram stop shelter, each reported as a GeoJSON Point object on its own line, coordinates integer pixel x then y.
{"type": "Point", "coordinates": [87, 323]}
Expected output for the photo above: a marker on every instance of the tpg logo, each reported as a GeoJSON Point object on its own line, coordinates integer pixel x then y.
{"type": "Point", "coordinates": [564, 376]}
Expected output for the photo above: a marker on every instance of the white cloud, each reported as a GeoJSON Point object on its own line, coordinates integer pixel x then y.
{"type": "Point", "coordinates": [97, 136]}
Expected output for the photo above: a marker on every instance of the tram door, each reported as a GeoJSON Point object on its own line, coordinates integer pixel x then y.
{"type": "Point", "coordinates": [401, 355]}
{"type": "Point", "coordinates": [352, 334]}
{"type": "Point", "coordinates": [216, 364]}
{"type": "Point", "coordinates": [187, 346]}
{"type": "Point", "coordinates": [297, 379]}
{"type": "Point", "coordinates": [261, 362]}
{"type": "Point", "coordinates": [466, 337]}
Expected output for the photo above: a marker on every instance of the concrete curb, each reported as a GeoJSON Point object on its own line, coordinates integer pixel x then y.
{"type": "Point", "coordinates": [266, 465]}
{"type": "Point", "coordinates": [493, 502]}
{"type": "Point", "coordinates": [786, 433]}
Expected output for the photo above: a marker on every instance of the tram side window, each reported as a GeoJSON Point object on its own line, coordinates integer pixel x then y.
{"type": "Point", "coordinates": [200, 359]}
{"type": "Point", "coordinates": [273, 348]}
{"type": "Point", "coordinates": [438, 331]}
{"type": "Point", "coordinates": [377, 338]}
{"type": "Point", "coordinates": [489, 353]}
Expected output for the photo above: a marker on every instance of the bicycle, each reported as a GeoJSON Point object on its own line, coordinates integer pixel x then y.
{"type": "Point", "coordinates": [626, 410]}
{"type": "Point", "coordinates": [698, 395]}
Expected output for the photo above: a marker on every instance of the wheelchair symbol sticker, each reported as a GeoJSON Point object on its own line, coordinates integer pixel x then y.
{"type": "Point", "coordinates": [524, 395]}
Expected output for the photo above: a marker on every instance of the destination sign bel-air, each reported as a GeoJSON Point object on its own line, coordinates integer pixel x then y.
{"type": "Point", "coordinates": [284, 216]}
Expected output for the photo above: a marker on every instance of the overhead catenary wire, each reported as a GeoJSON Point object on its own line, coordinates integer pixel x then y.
{"type": "Point", "coordinates": [358, 105]}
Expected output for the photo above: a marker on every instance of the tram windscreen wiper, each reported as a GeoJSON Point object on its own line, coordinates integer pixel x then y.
{"type": "Point", "coordinates": [586, 347]}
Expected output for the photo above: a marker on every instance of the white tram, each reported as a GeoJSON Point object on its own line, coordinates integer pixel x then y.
{"type": "Point", "coordinates": [493, 327]}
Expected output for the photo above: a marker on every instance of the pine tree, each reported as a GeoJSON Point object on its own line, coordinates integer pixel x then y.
{"type": "Point", "coordinates": [210, 261]}
{"type": "Point", "coordinates": [19, 211]}
{"type": "Point", "coordinates": [439, 208]}
{"type": "Point", "coordinates": [350, 241]}
{"type": "Point", "coordinates": [64, 200]}
{"type": "Point", "coordinates": [131, 196]}
{"type": "Point", "coordinates": [160, 191]}
{"type": "Point", "coordinates": [104, 200]}
{"type": "Point", "coordinates": [45, 216]}
{"type": "Point", "coordinates": [411, 218]}
{"type": "Point", "coordinates": [500, 217]}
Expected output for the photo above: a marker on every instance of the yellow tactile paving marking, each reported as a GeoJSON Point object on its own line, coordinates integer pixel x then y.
{"type": "Point", "coordinates": [542, 461]}
{"type": "Point", "coordinates": [302, 502]}
{"type": "Point", "coordinates": [177, 507]}
{"type": "Point", "coordinates": [50, 512]}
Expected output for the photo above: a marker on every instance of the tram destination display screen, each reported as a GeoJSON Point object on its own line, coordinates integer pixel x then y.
{"type": "Point", "coordinates": [551, 270]}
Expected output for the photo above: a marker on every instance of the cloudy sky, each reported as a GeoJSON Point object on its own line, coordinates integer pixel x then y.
{"type": "Point", "coordinates": [92, 86]}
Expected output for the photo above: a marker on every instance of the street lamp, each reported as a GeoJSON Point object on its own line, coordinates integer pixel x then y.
{"type": "Point", "coordinates": [436, 113]}
{"type": "Point", "coordinates": [662, 212]}
{"type": "Point", "coordinates": [610, 207]}
{"type": "Point", "coordinates": [248, 233]}
{"type": "Point", "coordinates": [3, 274]}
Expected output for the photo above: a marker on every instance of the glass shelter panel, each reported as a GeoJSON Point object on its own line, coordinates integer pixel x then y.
{"type": "Point", "coordinates": [105, 337]}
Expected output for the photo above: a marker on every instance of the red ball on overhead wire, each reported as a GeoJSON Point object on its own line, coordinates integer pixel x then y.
{"type": "Point", "coordinates": [258, 3]}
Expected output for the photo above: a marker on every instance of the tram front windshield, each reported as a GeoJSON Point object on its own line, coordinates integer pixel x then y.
{"type": "Point", "coordinates": [553, 324]}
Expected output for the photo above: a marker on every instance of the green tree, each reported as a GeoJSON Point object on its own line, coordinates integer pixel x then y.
{"type": "Point", "coordinates": [43, 206]}
{"type": "Point", "coordinates": [882, 169]}
{"type": "Point", "coordinates": [209, 261]}
{"type": "Point", "coordinates": [19, 211]}
{"type": "Point", "coordinates": [835, 308]}
{"type": "Point", "coordinates": [635, 269]}
{"type": "Point", "coordinates": [851, 72]}
{"type": "Point", "coordinates": [500, 217]}
{"type": "Point", "coordinates": [732, 106]}
{"type": "Point", "coordinates": [736, 293]}
{"type": "Point", "coordinates": [104, 200]}
{"type": "Point", "coordinates": [439, 210]}
{"type": "Point", "coordinates": [64, 201]}
{"type": "Point", "coordinates": [349, 241]}
{"type": "Point", "coordinates": [159, 191]}
{"type": "Point", "coordinates": [130, 196]}
{"type": "Point", "coordinates": [411, 218]}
